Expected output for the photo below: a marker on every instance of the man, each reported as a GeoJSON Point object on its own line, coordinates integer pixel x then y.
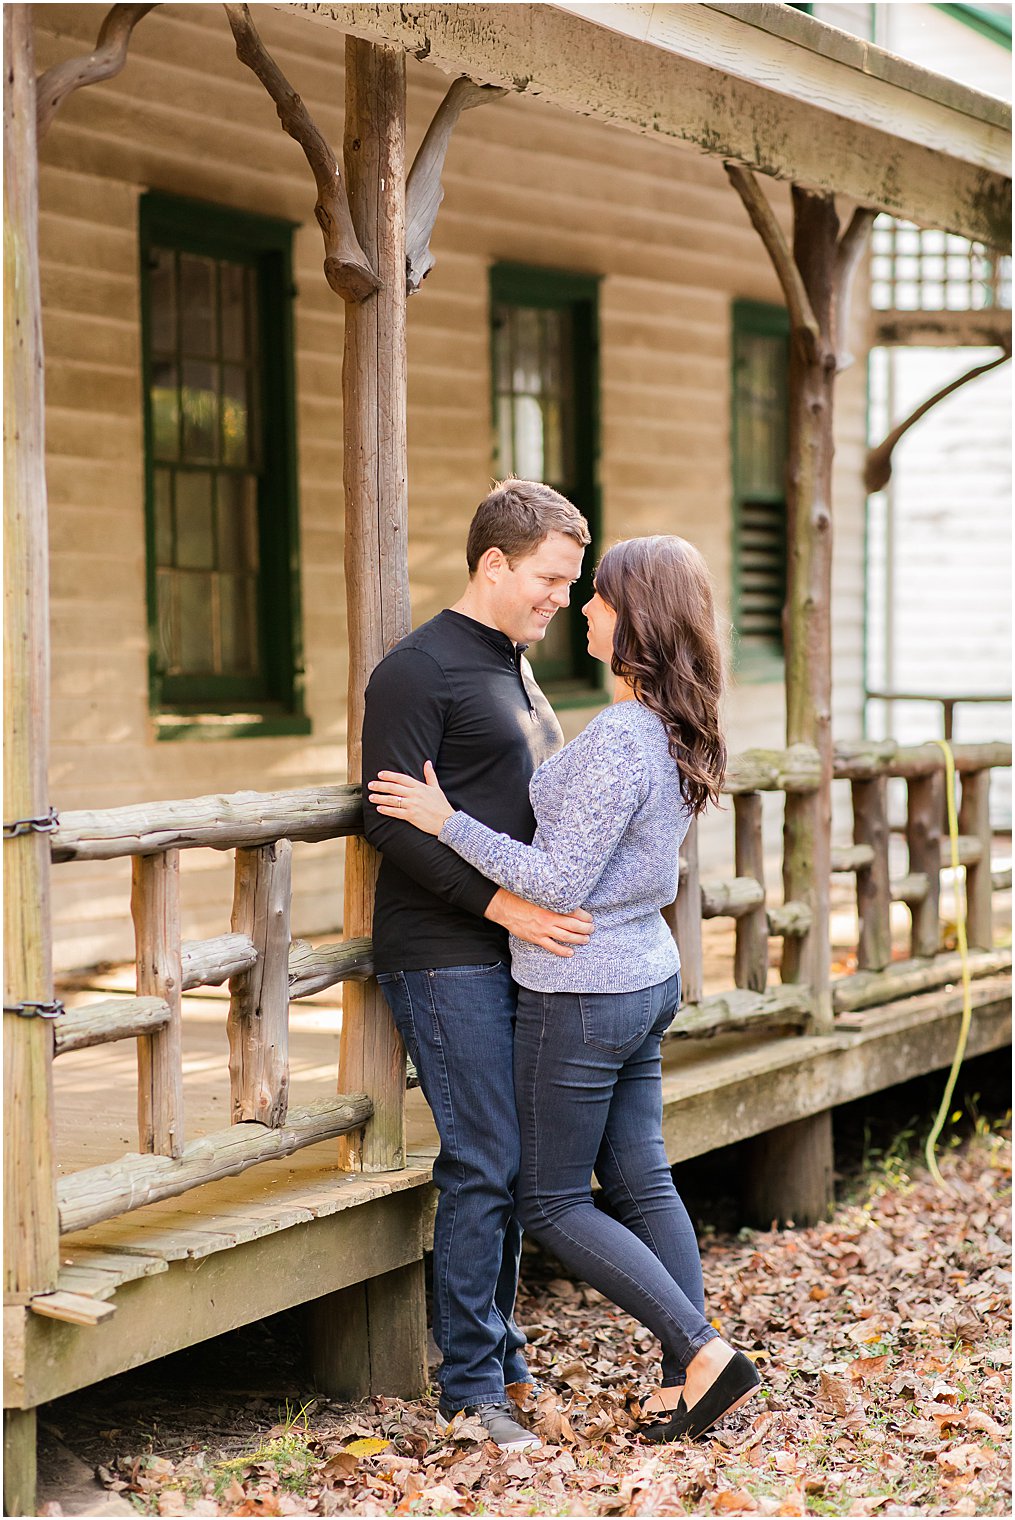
{"type": "Point", "coordinates": [457, 691]}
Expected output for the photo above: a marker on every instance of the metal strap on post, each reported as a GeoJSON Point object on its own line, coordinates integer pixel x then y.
{"type": "Point", "coordinates": [47, 825]}
{"type": "Point", "coordinates": [31, 1010]}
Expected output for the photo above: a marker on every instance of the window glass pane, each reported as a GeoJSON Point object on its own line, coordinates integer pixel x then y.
{"type": "Point", "coordinates": [556, 347]}
{"type": "Point", "coordinates": [162, 488]}
{"type": "Point", "coordinates": [234, 284]}
{"type": "Point", "coordinates": [162, 300]}
{"type": "Point", "coordinates": [528, 455]}
{"type": "Point", "coordinates": [200, 402]}
{"type": "Point", "coordinates": [196, 611]}
{"type": "Point", "coordinates": [235, 449]}
{"type": "Point", "coordinates": [195, 544]}
{"type": "Point", "coordinates": [197, 306]}
{"type": "Point", "coordinates": [168, 653]}
{"type": "Point", "coordinates": [553, 443]}
{"type": "Point", "coordinates": [165, 408]}
{"type": "Point", "coordinates": [505, 436]}
{"type": "Point", "coordinates": [526, 376]}
{"type": "Point", "coordinates": [501, 349]}
{"type": "Point", "coordinates": [237, 522]}
{"type": "Point", "coordinates": [236, 613]}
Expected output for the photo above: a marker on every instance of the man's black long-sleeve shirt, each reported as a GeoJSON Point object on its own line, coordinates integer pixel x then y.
{"type": "Point", "coordinates": [459, 694]}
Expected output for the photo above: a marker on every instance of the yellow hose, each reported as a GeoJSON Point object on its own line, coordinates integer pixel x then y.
{"type": "Point", "coordinates": [963, 948]}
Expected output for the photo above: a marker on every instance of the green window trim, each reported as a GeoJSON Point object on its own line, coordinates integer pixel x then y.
{"type": "Point", "coordinates": [577, 680]}
{"type": "Point", "coordinates": [761, 663]}
{"type": "Point", "coordinates": [269, 700]}
{"type": "Point", "coordinates": [989, 23]}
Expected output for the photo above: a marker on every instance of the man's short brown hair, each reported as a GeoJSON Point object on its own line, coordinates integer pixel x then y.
{"type": "Point", "coordinates": [516, 517]}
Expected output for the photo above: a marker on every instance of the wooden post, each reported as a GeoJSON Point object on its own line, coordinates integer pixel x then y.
{"type": "Point", "coordinates": [974, 819]}
{"type": "Point", "coordinates": [19, 1444]}
{"type": "Point", "coordinates": [371, 1338]}
{"type": "Point", "coordinates": [687, 921]}
{"type": "Point", "coordinates": [925, 809]}
{"type": "Point", "coordinates": [790, 1175]}
{"type": "Point", "coordinates": [750, 960]}
{"type": "Point", "coordinates": [155, 909]}
{"type": "Point", "coordinates": [31, 1228]}
{"type": "Point", "coordinates": [873, 888]}
{"type": "Point", "coordinates": [258, 1023]}
{"type": "Point", "coordinates": [377, 582]}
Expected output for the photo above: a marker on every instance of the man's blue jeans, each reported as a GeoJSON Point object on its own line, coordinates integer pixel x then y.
{"type": "Point", "coordinates": [457, 1023]}
{"type": "Point", "coordinates": [589, 1092]}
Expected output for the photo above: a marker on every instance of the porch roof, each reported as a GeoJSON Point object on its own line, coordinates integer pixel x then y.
{"type": "Point", "coordinates": [762, 85]}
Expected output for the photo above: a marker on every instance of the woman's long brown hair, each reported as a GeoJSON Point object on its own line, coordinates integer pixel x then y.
{"type": "Point", "coordinates": [666, 643]}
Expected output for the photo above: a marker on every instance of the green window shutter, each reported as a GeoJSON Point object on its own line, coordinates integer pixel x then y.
{"type": "Point", "coordinates": [545, 384]}
{"type": "Point", "coordinates": [760, 412]}
{"type": "Point", "coordinates": [220, 465]}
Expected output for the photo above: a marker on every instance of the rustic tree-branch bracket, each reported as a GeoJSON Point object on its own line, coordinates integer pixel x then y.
{"type": "Point", "coordinates": [104, 62]}
{"type": "Point", "coordinates": [878, 469]}
{"type": "Point", "coordinates": [804, 323]}
{"type": "Point", "coordinates": [848, 256]}
{"type": "Point", "coordinates": [423, 189]}
{"type": "Point", "coordinates": [346, 267]}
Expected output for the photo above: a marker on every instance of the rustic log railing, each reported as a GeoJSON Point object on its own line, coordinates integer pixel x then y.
{"type": "Point", "coordinates": [867, 768]}
{"type": "Point", "coordinates": [266, 970]}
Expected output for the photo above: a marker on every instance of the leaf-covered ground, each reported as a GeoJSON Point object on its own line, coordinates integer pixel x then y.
{"type": "Point", "coordinates": [883, 1339]}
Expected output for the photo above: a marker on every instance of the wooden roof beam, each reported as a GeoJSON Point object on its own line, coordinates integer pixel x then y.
{"type": "Point", "coordinates": [934, 156]}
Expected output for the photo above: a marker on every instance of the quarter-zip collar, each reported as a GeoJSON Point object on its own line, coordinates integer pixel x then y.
{"type": "Point", "coordinates": [493, 636]}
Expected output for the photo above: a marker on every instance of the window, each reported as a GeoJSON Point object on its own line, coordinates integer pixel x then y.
{"type": "Point", "coordinates": [220, 470]}
{"type": "Point", "coordinates": [545, 403]}
{"type": "Point", "coordinates": [760, 441]}
{"type": "Point", "coordinates": [923, 269]}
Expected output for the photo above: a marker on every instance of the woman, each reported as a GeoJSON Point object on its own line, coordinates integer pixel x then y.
{"type": "Point", "coordinates": [612, 808]}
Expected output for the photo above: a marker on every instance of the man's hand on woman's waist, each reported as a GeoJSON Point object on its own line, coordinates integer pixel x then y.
{"type": "Point", "coordinates": [557, 932]}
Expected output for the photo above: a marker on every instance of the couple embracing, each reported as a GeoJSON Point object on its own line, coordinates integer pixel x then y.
{"type": "Point", "coordinates": [520, 945]}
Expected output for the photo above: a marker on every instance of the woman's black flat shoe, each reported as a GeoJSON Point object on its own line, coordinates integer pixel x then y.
{"type": "Point", "coordinates": [737, 1379]}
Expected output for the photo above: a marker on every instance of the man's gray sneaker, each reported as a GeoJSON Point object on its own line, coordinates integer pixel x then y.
{"type": "Point", "coordinates": [499, 1421]}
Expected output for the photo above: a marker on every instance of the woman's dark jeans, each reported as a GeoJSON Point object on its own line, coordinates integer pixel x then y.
{"type": "Point", "coordinates": [588, 1083]}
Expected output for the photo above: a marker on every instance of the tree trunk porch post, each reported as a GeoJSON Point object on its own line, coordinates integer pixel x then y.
{"type": "Point", "coordinates": [376, 513]}
{"type": "Point", "coordinates": [792, 1171]}
{"type": "Point", "coordinates": [372, 1338]}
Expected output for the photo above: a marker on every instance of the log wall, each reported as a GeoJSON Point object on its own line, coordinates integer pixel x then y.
{"type": "Point", "coordinates": [524, 182]}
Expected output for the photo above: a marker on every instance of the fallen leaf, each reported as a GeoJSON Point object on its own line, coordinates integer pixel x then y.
{"type": "Point", "coordinates": [340, 1466]}
{"type": "Point", "coordinates": [977, 1420]}
{"type": "Point", "coordinates": [729, 1501]}
{"type": "Point", "coordinates": [368, 1446]}
{"type": "Point", "coordinates": [863, 1367]}
{"type": "Point", "coordinates": [835, 1392]}
{"type": "Point", "coordinates": [172, 1502]}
